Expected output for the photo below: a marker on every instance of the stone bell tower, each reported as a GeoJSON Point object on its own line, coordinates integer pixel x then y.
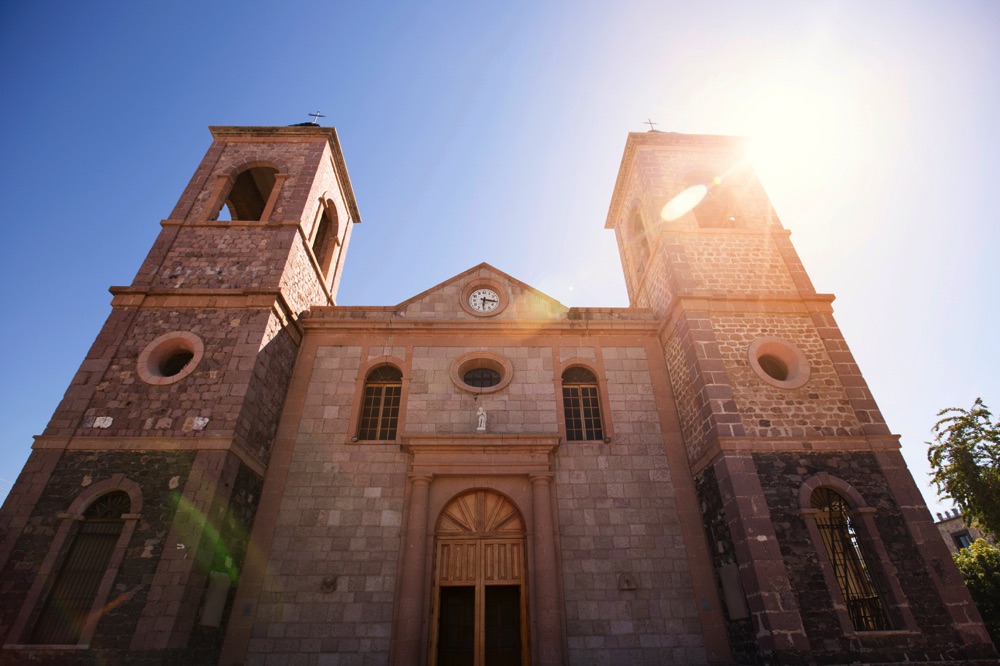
{"type": "Point", "coordinates": [173, 412]}
{"type": "Point", "coordinates": [789, 451]}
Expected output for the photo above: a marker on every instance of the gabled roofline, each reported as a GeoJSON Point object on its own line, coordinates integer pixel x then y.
{"type": "Point", "coordinates": [465, 274]}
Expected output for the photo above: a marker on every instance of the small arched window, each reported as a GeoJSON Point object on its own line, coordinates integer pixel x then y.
{"type": "Point", "coordinates": [326, 236]}
{"type": "Point", "coordinates": [850, 561]}
{"type": "Point", "coordinates": [250, 193]}
{"type": "Point", "coordinates": [380, 403]}
{"type": "Point", "coordinates": [582, 405]}
{"type": "Point", "coordinates": [638, 244]}
{"type": "Point", "coordinates": [72, 593]}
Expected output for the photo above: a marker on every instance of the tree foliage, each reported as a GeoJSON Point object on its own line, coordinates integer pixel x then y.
{"type": "Point", "coordinates": [965, 457]}
{"type": "Point", "coordinates": [980, 566]}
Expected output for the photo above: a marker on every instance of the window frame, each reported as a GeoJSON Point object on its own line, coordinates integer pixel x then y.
{"type": "Point", "coordinates": [69, 522]}
{"type": "Point", "coordinates": [598, 401]}
{"type": "Point", "coordinates": [324, 237]}
{"type": "Point", "coordinates": [227, 179]}
{"type": "Point", "coordinates": [883, 572]}
{"type": "Point", "coordinates": [362, 429]}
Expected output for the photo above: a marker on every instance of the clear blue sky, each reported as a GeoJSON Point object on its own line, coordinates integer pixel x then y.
{"type": "Point", "coordinates": [478, 132]}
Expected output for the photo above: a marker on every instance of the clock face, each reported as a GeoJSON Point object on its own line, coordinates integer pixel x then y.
{"type": "Point", "coordinates": [484, 300]}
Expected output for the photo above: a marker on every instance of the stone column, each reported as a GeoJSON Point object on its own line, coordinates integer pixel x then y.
{"type": "Point", "coordinates": [765, 579]}
{"type": "Point", "coordinates": [411, 591]}
{"type": "Point", "coordinates": [546, 588]}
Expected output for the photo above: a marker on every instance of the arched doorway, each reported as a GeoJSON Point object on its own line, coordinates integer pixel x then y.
{"type": "Point", "coordinates": [480, 583]}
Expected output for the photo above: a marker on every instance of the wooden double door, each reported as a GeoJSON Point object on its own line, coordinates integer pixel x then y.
{"type": "Point", "coordinates": [480, 583]}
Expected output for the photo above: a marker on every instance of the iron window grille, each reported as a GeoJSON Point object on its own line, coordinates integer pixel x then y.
{"type": "Point", "coordinates": [72, 593]}
{"type": "Point", "coordinates": [481, 377]}
{"type": "Point", "coordinates": [850, 560]}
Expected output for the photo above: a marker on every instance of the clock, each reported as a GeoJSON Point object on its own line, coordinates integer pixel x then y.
{"type": "Point", "coordinates": [484, 300]}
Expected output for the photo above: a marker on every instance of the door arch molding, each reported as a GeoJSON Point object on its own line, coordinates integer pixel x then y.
{"type": "Point", "coordinates": [480, 582]}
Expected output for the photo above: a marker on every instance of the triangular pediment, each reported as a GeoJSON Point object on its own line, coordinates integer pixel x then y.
{"type": "Point", "coordinates": [451, 298]}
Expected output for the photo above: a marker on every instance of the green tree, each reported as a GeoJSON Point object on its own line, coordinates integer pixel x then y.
{"type": "Point", "coordinates": [965, 457]}
{"type": "Point", "coordinates": [980, 566]}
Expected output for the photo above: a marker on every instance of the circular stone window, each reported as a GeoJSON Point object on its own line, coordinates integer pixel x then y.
{"type": "Point", "coordinates": [779, 362]}
{"type": "Point", "coordinates": [170, 358]}
{"type": "Point", "coordinates": [481, 372]}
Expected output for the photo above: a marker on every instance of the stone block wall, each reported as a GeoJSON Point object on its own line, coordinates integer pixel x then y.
{"type": "Point", "coordinates": [266, 387]}
{"type": "Point", "coordinates": [735, 262]}
{"type": "Point", "coordinates": [436, 405]}
{"type": "Point", "coordinates": [627, 586]}
{"type": "Point", "coordinates": [819, 408]}
{"type": "Point", "coordinates": [332, 571]}
{"type": "Point", "coordinates": [701, 385]}
{"type": "Point", "coordinates": [238, 386]}
{"type": "Point", "coordinates": [224, 548]}
{"type": "Point", "coordinates": [742, 635]}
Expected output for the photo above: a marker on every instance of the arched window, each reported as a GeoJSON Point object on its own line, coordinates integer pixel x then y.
{"type": "Point", "coordinates": [582, 405]}
{"type": "Point", "coordinates": [326, 236]}
{"type": "Point", "coordinates": [250, 193]}
{"type": "Point", "coordinates": [851, 563]}
{"type": "Point", "coordinates": [69, 599]}
{"type": "Point", "coordinates": [638, 244]}
{"type": "Point", "coordinates": [380, 403]}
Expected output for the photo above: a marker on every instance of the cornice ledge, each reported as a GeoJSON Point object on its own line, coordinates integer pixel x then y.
{"type": "Point", "coordinates": [750, 445]}
{"type": "Point", "coordinates": [143, 444]}
{"type": "Point", "coordinates": [787, 297]}
{"type": "Point", "coordinates": [222, 299]}
{"type": "Point", "coordinates": [485, 442]}
{"type": "Point", "coordinates": [592, 326]}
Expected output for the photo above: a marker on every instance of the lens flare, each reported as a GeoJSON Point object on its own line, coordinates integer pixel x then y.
{"type": "Point", "coordinates": [684, 202]}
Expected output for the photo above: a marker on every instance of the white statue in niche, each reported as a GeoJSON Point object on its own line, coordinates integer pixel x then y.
{"type": "Point", "coordinates": [481, 419]}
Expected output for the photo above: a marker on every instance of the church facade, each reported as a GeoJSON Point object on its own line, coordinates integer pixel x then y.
{"type": "Point", "coordinates": [244, 472]}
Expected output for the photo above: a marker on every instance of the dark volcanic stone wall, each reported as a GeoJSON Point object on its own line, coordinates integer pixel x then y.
{"type": "Point", "coordinates": [720, 543]}
{"type": "Point", "coordinates": [227, 551]}
{"type": "Point", "coordinates": [76, 470]}
{"type": "Point", "coordinates": [781, 476]}
{"type": "Point", "coordinates": [155, 472]}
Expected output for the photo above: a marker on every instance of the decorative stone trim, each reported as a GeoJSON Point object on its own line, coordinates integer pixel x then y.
{"type": "Point", "coordinates": [158, 360]}
{"type": "Point", "coordinates": [778, 362]}
{"type": "Point", "coordinates": [481, 359]}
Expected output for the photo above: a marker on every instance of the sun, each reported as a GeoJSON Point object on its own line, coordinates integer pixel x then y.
{"type": "Point", "coordinates": [804, 116]}
{"type": "Point", "coordinates": [798, 132]}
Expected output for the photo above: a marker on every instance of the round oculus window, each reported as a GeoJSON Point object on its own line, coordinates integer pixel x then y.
{"type": "Point", "coordinates": [481, 372]}
{"type": "Point", "coordinates": [778, 362]}
{"type": "Point", "coordinates": [481, 377]}
{"type": "Point", "coordinates": [170, 358]}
